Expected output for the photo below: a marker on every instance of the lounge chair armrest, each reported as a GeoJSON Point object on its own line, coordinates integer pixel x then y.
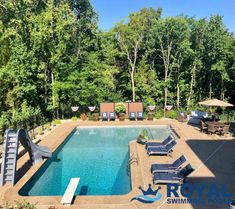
{"type": "Point", "coordinates": [173, 167]}
{"type": "Point", "coordinates": [178, 178]}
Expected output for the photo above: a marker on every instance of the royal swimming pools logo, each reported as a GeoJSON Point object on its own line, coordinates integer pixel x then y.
{"type": "Point", "coordinates": [187, 193]}
{"type": "Point", "coordinates": [198, 193]}
{"type": "Point", "coordinates": [148, 196]}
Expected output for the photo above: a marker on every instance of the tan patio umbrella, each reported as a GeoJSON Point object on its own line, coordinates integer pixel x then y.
{"type": "Point", "coordinates": [212, 103]}
{"type": "Point", "coordinates": [216, 103]}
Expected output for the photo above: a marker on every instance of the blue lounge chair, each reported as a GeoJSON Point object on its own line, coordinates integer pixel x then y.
{"type": "Point", "coordinates": [104, 116]}
{"type": "Point", "coordinates": [140, 116]}
{"type": "Point", "coordinates": [169, 168]}
{"type": "Point", "coordinates": [160, 144]}
{"type": "Point", "coordinates": [166, 150]}
{"type": "Point", "coordinates": [179, 177]}
{"type": "Point", "coordinates": [112, 116]}
{"type": "Point", "coordinates": [132, 116]}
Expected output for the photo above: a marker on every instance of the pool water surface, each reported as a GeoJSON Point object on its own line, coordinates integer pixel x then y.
{"type": "Point", "coordinates": [99, 156]}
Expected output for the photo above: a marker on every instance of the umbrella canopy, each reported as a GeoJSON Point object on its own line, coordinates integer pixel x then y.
{"type": "Point", "coordinates": [216, 103]}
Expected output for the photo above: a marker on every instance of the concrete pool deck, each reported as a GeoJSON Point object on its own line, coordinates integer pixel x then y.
{"type": "Point", "coordinates": [211, 156]}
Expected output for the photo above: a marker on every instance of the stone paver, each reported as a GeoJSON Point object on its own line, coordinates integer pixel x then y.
{"type": "Point", "coordinates": [211, 156]}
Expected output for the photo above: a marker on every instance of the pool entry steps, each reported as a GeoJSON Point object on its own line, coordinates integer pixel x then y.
{"type": "Point", "coordinates": [10, 155]}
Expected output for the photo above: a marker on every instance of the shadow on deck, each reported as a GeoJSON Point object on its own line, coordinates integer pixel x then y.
{"type": "Point", "coordinates": [218, 156]}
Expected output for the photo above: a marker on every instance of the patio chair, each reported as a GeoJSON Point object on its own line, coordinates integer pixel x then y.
{"type": "Point", "coordinates": [211, 129]}
{"type": "Point", "coordinates": [104, 116]}
{"type": "Point", "coordinates": [112, 116]}
{"type": "Point", "coordinates": [178, 178]}
{"type": "Point", "coordinates": [182, 117]}
{"type": "Point", "coordinates": [169, 168]}
{"type": "Point", "coordinates": [140, 116]}
{"type": "Point", "coordinates": [160, 144]}
{"type": "Point", "coordinates": [132, 116]}
{"type": "Point", "coordinates": [203, 126]}
{"type": "Point", "coordinates": [162, 150]}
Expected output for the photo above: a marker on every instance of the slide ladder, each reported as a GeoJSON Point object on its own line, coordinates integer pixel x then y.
{"type": "Point", "coordinates": [10, 147]}
{"type": "Point", "coordinates": [10, 154]}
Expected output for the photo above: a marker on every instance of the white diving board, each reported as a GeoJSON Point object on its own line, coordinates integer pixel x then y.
{"type": "Point", "coordinates": [69, 193]}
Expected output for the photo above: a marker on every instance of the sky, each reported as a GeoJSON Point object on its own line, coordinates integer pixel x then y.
{"type": "Point", "coordinates": [112, 11]}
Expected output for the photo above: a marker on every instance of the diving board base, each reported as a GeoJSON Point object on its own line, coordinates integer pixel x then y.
{"type": "Point", "coordinates": [69, 193]}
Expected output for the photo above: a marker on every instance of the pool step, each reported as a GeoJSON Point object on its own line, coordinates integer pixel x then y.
{"type": "Point", "coordinates": [69, 193]}
{"type": "Point", "coordinates": [134, 158]}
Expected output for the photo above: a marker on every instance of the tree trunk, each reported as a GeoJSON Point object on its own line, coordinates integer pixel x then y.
{"type": "Point", "coordinates": [57, 113]}
{"type": "Point", "coordinates": [210, 86]}
{"type": "Point", "coordinates": [178, 96]}
{"type": "Point", "coordinates": [133, 83]}
{"type": "Point", "coordinates": [166, 60]}
{"type": "Point", "coordinates": [45, 86]}
{"type": "Point", "coordinates": [191, 85]}
{"type": "Point", "coordinates": [165, 91]}
{"type": "Point", "coordinates": [132, 61]}
{"type": "Point", "coordinates": [53, 96]}
{"type": "Point", "coordinates": [222, 89]}
{"type": "Point", "coordinates": [165, 100]}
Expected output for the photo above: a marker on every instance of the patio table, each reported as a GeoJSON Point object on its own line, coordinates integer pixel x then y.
{"type": "Point", "coordinates": [215, 126]}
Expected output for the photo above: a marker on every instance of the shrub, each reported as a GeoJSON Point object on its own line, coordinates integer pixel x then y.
{"type": "Point", "coordinates": [24, 205]}
{"type": "Point", "coordinates": [4, 123]}
{"type": "Point", "coordinates": [56, 122]}
{"type": "Point", "coordinates": [120, 107]}
{"type": "Point", "coordinates": [159, 113]}
{"type": "Point", "coordinates": [83, 116]}
{"type": "Point", "coordinates": [48, 127]}
{"type": "Point", "coordinates": [20, 205]}
{"type": "Point", "coordinates": [89, 116]}
{"type": "Point", "coordinates": [173, 114]}
{"type": "Point", "coordinates": [197, 107]}
{"type": "Point", "coordinates": [74, 118]}
{"type": "Point", "coordinates": [39, 131]}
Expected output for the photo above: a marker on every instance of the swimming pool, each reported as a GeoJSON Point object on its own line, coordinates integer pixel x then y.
{"type": "Point", "coordinates": [98, 155]}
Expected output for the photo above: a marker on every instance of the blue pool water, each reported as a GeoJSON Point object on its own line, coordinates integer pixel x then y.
{"type": "Point", "coordinates": [98, 155]}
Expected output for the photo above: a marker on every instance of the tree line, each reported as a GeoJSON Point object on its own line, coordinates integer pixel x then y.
{"type": "Point", "coordinates": [54, 56]}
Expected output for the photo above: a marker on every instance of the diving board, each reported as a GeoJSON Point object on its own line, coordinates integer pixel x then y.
{"type": "Point", "coordinates": [69, 193]}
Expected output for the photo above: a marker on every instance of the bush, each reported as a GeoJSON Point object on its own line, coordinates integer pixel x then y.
{"type": "Point", "coordinates": [197, 107]}
{"type": "Point", "coordinates": [48, 127]}
{"type": "Point", "coordinates": [4, 123]}
{"type": "Point", "coordinates": [39, 131]}
{"type": "Point", "coordinates": [173, 114]}
{"type": "Point", "coordinates": [89, 116]}
{"type": "Point", "coordinates": [159, 113]}
{"type": "Point", "coordinates": [20, 205]}
{"type": "Point", "coordinates": [56, 122]}
{"type": "Point", "coordinates": [74, 118]}
{"type": "Point", "coordinates": [120, 107]}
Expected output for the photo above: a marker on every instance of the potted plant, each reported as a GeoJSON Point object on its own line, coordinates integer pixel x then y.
{"type": "Point", "coordinates": [143, 137]}
{"type": "Point", "coordinates": [94, 114]}
{"type": "Point", "coordinates": [83, 117]}
{"type": "Point", "coordinates": [151, 109]}
{"type": "Point", "coordinates": [120, 109]}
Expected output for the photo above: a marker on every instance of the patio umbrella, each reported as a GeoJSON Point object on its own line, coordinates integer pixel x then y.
{"type": "Point", "coordinates": [216, 103]}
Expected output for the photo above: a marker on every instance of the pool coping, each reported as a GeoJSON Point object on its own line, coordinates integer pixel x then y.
{"type": "Point", "coordinates": [11, 193]}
